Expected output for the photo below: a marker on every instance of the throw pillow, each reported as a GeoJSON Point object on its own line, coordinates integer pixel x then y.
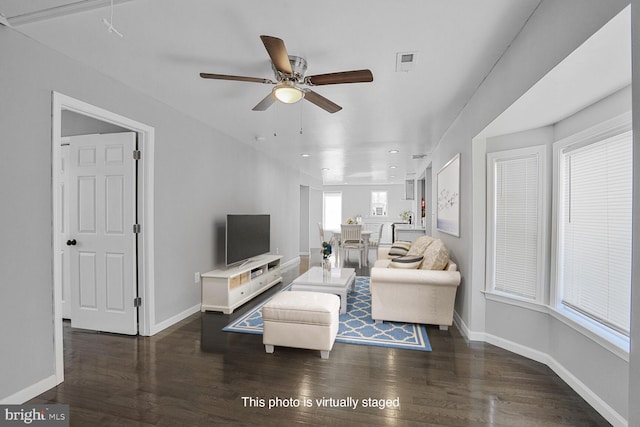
{"type": "Point", "coordinates": [420, 245]}
{"type": "Point", "coordinates": [436, 257]}
{"type": "Point", "coordinates": [408, 262]}
{"type": "Point", "coordinates": [399, 248]}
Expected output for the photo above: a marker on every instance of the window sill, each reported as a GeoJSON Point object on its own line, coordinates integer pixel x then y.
{"type": "Point", "coordinates": [514, 300]}
{"type": "Point", "coordinates": [608, 339]}
{"type": "Point", "coordinates": [611, 340]}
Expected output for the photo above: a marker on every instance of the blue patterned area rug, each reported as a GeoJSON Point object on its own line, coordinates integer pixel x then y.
{"type": "Point", "coordinates": [356, 325]}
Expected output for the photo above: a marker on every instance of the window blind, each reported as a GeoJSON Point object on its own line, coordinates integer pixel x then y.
{"type": "Point", "coordinates": [516, 226]}
{"type": "Point", "coordinates": [595, 234]}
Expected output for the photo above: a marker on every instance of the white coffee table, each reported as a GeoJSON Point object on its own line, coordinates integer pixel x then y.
{"type": "Point", "coordinates": [336, 282]}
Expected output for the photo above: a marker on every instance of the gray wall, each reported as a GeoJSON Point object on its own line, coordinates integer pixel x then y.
{"type": "Point", "coordinates": [356, 200]}
{"type": "Point", "coordinates": [538, 331]}
{"type": "Point", "coordinates": [192, 192]}
{"type": "Point", "coordinates": [305, 223]}
{"type": "Point", "coordinates": [315, 216]}
{"type": "Point", "coordinates": [76, 124]}
{"type": "Point", "coordinates": [428, 182]}
{"type": "Point", "coordinates": [197, 181]}
{"type": "Point", "coordinates": [550, 35]}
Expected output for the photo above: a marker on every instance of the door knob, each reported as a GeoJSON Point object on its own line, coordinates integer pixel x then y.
{"type": "Point", "coordinates": [71, 242]}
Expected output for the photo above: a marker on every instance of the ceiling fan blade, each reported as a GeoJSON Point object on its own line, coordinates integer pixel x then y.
{"type": "Point", "coordinates": [236, 78]}
{"type": "Point", "coordinates": [265, 103]}
{"type": "Point", "coordinates": [278, 53]}
{"type": "Point", "coordinates": [357, 76]}
{"type": "Point", "coordinates": [321, 101]}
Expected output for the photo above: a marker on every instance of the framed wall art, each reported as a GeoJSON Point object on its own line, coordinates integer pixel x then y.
{"type": "Point", "coordinates": [448, 187]}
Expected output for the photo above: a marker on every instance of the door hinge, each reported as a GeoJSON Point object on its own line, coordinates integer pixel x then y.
{"type": "Point", "coordinates": [137, 154]}
{"type": "Point", "coordinates": [137, 301]}
{"type": "Point", "coordinates": [136, 228]}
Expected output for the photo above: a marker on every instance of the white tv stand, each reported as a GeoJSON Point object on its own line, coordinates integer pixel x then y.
{"type": "Point", "coordinates": [228, 288]}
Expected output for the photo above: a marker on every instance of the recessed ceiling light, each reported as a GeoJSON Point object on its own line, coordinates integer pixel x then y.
{"type": "Point", "coordinates": [393, 167]}
{"type": "Point", "coordinates": [394, 151]}
{"type": "Point", "coordinates": [305, 155]}
{"type": "Point", "coordinates": [325, 169]}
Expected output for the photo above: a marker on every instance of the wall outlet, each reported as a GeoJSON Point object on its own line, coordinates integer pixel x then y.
{"type": "Point", "coordinates": [196, 277]}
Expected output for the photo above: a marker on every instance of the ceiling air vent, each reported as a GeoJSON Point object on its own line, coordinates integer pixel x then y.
{"type": "Point", "coordinates": [418, 156]}
{"type": "Point", "coordinates": [405, 61]}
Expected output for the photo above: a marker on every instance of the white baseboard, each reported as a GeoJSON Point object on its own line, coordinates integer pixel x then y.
{"type": "Point", "coordinates": [158, 327]}
{"type": "Point", "coordinates": [578, 386]}
{"type": "Point", "coordinates": [48, 383]}
{"type": "Point", "coordinates": [468, 334]}
{"type": "Point", "coordinates": [293, 262]}
{"type": "Point", "coordinates": [30, 392]}
{"type": "Point", "coordinates": [572, 381]}
{"type": "Point", "coordinates": [592, 399]}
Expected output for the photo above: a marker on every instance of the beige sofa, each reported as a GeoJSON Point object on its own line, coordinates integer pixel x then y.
{"type": "Point", "coordinates": [414, 295]}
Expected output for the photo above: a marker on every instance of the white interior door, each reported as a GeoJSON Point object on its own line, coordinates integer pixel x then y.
{"type": "Point", "coordinates": [62, 258]}
{"type": "Point", "coordinates": [101, 180]}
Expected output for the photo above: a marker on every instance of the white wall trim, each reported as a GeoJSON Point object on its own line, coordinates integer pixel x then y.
{"type": "Point", "coordinates": [467, 333]}
{"type": "Point", "coordinates": [30, 392]}
{"type": "Point", "coordinates": [572, 381]}
{"type": "Point", "coordinates": [539, 153]}
{"type": "Point", "coordinates": [515, 300]}
{"type": "Point", "coordinates": [158, 327]}
{"type": "Point", "coordinates": [293, 262]}
{"type": "Point", "coordinates": [62, 10]}
{"type": "Point", "coordinates": [146, 142]}
{"type": "Point", "coordinates": [578, 386]}
{"type": "Point", "coordinates": [608, 340]}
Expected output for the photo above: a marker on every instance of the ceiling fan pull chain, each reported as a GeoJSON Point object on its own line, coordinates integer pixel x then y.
{"type": "Point", "coordinates": [109, 23]}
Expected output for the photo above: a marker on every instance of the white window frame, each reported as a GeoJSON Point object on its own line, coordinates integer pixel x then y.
{"type": "Point", "coordinates": [540, 152]}
{"type": "Point", "coordinates": [614, 341]}
{"type": "Point", "coordinates": [328, 225]}
{"type": "Point", "coordinates": [372, 209]}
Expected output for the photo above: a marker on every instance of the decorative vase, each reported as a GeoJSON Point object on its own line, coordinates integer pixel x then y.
{"type": "Point", "coordinates": [326, 267]}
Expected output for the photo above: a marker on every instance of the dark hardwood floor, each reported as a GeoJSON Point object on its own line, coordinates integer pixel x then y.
{"type": "Point", "coordinates": [193, 374]}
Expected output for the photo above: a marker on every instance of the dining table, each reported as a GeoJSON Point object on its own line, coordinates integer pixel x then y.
{"type": "Point", "coordinates": [366, 235]}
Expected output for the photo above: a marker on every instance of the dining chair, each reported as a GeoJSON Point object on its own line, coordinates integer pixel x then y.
{"type": "Point", "coordinates": [321, 230]}
{"type": "Point", "coordinates": [374, 240]}
{"type": "Point", "coordinates": [351, 239]}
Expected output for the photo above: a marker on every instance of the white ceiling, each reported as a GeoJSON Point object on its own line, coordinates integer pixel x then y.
{"type": "Point", "coordinates": [166, 45]}
{"type": "Point", "coordinates": [596, 69]}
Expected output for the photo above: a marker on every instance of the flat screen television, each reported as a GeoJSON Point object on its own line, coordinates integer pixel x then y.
{"type": "Point", "coordinates": [247, 236]}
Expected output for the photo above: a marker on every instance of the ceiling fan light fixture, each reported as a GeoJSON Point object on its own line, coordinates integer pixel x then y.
{"type": "Point", "coordinates": [287, 92]}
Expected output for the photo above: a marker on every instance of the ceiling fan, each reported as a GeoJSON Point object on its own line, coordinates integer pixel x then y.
{"type": "Point", "coordinates": [289, 74]}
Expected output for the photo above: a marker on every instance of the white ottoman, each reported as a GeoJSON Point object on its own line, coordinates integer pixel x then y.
{"type": "Point", "coordinates": [301, 319]}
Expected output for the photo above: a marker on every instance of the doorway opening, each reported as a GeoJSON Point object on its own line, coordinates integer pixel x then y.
{"type": "Point", "coordinates": [145, 257]}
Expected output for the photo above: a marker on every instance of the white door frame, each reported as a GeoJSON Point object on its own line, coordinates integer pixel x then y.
{"type": "Point", "coordinates": [146, 142]}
